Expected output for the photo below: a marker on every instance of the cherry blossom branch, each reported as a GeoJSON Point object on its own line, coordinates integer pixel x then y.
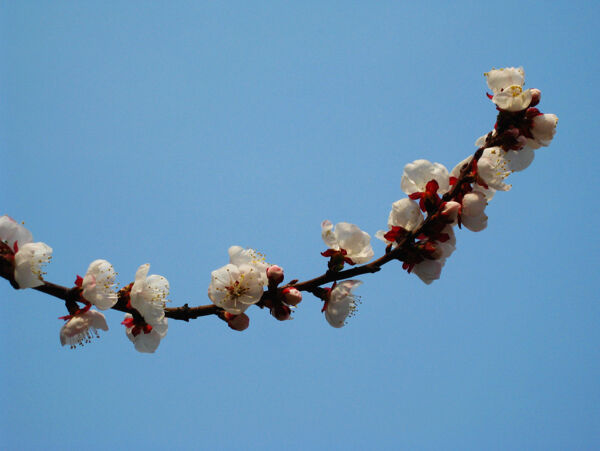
{"type": "Point", "coordinates": [422, 243]}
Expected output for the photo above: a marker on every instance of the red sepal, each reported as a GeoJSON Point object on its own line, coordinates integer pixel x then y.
{"type": "Point", "coordinates": [79, 281]}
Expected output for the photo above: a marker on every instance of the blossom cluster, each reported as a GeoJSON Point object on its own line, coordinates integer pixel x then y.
{"type": "Point", "coordinates": [420, 234]}
{"type": "Point", "coordinates": [145, 325]}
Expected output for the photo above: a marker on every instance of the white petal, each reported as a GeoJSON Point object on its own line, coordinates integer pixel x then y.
{"type": "Point", "coordinates": [499, 79]}
{"type": "Point", "coordinates": [329, 236]}
{"type": "Point", "coordinates": [473, 204]}
{"type": "Point", "coordinates": [418, 173]}
{"type": "Point", "coordinates": [405, 213]}
{"type": "Point", "coordinates": [475, 223]}
{"type": "Point", "coordinates": [544, 128]}
{"type": "Point", "coordinates": [519, 160]}
{"type": "Point", "coordinates": [428, 270]}
{"type": "Point", "coordinates": [11, 232]}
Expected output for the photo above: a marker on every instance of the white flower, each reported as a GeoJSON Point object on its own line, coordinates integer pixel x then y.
{"type": "Point", "coordinates": [239, 284]}
{"type": "Point", "coordinates": [81, 328]}
{"type": "Point", "coordinates": [507, 86]}
{"type": "Point", "coordinates": [430, 270]}
{"type": "Point", "coordinates": [29, 256]}
{"type": "Point", "coordinates": [349, 238]}
{"type": "Point", "coordinates": [28, 264]}
{"type": "Point", "coordinates": [98, 285]}
{"type": "Point", "coordinates": [418, 173]}
{"type": "Point", "coordinates": [405, 213]}
{"type": "Point", "coordinates": [341, 303]}
{"type": "Point", "coordinates": [473, 215]}
{"type": "Point", "coordinates": [543, 129]}
{"type": "Point", "coordinates": [148, 295]}
{"type": "Point", "coordinates": [145, 339]}
{"type": "Point", "coordinates": [493, 168]}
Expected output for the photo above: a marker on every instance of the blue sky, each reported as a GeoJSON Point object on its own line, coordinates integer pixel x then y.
{"type": "Point", "coordinates": [165, 132]}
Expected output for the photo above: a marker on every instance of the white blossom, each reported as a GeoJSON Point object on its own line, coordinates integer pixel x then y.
{"type": "Point", "coordinates": [493, 168]}
{"type": "Point", "coordinates": [350, 238]}
{"type": "Point", "coordinates": [81, 328]}
{"type": "Point", "coordinates": [29, 257]}
{"type": "Point", "coordinates": [341, 303]}
{"type": "Point", "coordinates": [430, 270]}
{"type": "Point", "coordinates": [99, 285]}
{"type": "Point", "coordinates": [28, 264]}
{"type": "Point", "coordinates": [543, 129]}
{"type": "Point", "coordinates": [146, 339]}
{"type": "Point", "coordinates": [473, 215]}
{"type": "Point", "coordinates": [405, 213]}
{"type": "Point", "coordinates": [418, 173]}
{"type": "Point", "coordinates": [507, 86]}
{"type": "Point", "coordinates": [239, 284]}
{"type": "Point", "coordinates": [148, 295]}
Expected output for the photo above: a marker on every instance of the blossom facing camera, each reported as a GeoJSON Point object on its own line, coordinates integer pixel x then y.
{"type": "Point", "coordinates": [347, 240]}
{"type": "Point", "coordinates": [239, 284]}
{"type": "Point", "coordinates": [341, 303]}
{"type": "Point", "coordinates": [507, 86]}
{"type": "Point", "coordinates": [98, 285]}
{"type": "Point", "coordinates": [81, 328]}
{"type": "Point", "coordinates": [29, 257]}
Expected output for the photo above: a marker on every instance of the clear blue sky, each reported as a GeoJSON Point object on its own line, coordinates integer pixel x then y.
{"type": "Point", "coordinates": [164, 132]}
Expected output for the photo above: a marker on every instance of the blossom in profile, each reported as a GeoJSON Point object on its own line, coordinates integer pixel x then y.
{"type": "Point", "coordinates": [148, 296]}
{"type": "Point", "coordinates": [98, 285]}
{"type": "Point", "coordinates": [239, 284]}
{"type": "Point", "coordinates": [81, 327]}
{"type": "Point", "coordinates": [507, 87]}
{"type": "Point", "coordinates": [29, 257]}
{"type": "Point", "coordinates": [543, 129]}
{"type": "Point", "coordinates": [348, 240]}
{"type": "Point", "coordinates": [419, 173]}
{"type": "Point", "coordinates": [430, 268]}
{"type": "Point", "coordinates": [405, 216]}
{"type": "Point", "coordinates": [145, 337]}
{"type": "Point", "coordinates": [341, 303]}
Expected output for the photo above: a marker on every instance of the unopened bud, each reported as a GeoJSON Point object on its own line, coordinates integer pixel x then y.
{"type": "Point", "coordinates": [536, 95]}
{"type": "Point", "coordinates": [281, 312]}
{"type": "Point", "coordinates": [275, 274]}
{"type": "Point", "coordinates": [291, 296]}
{"type": "Point", "coordinates": [237, 322]}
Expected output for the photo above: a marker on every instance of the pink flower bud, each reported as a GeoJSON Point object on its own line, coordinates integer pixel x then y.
{"type": "Point", "coordinates": [281, 312]}
{"type": "Point", "coordinates": [291, 296]}
{"type": "Point", "coordinates": [536, 95]}
{"type": "Point", "coordinates": [237, 322]}
{"type": "Point", "coordinates": [275, 274]}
